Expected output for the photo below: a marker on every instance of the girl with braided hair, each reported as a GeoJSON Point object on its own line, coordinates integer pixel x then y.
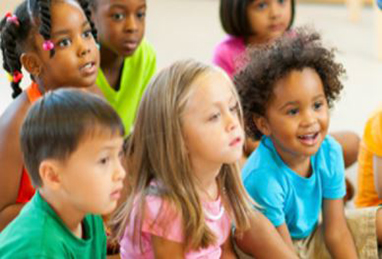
{"type": "Point", "coordinates": [54, 41]}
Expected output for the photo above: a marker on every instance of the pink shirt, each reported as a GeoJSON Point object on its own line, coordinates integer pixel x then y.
{"type": "Point", "coordinates": [228, 54]}
{"type": "Point", "coordinates": [168, 224]}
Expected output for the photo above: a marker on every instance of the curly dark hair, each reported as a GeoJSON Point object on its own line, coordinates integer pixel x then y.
{"type": "Point", "coordinates": [269, 63]}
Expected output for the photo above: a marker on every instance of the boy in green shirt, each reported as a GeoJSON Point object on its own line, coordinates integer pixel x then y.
{"type": "Point", "coordinates": [71, 143]}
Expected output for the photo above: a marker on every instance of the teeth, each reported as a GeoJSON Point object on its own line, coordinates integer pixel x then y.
{"type": "Point", "coordinates": [307, 136]}
{"type": "Point", "coordinates": [88, 65]}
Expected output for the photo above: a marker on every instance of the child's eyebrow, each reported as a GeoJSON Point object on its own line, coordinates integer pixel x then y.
{"type": "Point", "coordinates": [65, 31]}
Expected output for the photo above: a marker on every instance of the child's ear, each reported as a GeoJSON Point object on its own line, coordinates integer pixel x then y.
{"type": "Point", "coordinates": [32, 63]}
{"type": "Point", "coordinates": [262, 124]}
{"type": "Point", "coordinates": [50, 174]}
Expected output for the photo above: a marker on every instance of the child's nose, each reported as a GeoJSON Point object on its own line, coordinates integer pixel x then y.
{"type": "Point", "coordinates": [119, 172]}
{"type": "Point", "coordinates": [231, 122]}
{"type": "Point", "coordinates": [83, 48]}
{"type": "Point", "coordinates": [131, 23]}
{"type": "Point", "coordinates": [275, 9]}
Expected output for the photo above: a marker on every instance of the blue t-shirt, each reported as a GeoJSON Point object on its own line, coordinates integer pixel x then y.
{"type": "Point", "coordinates": [285, 196]}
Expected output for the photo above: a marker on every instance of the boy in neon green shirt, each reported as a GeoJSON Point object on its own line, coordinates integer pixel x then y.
{"type": "Point", "coordinates": [127, 60]}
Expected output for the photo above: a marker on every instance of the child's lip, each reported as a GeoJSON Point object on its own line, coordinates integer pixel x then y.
{"type": "Point", "coordinates": [235, 141]}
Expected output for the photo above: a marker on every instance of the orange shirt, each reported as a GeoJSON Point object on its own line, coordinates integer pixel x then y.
{"type": "Point", "coordinates": [371, 145]}
{"type": "Point", "coordinates": [26, 190]}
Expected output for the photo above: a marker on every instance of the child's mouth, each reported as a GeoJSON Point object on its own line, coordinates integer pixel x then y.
{"type": "Point", "coordinates": [309, 139]}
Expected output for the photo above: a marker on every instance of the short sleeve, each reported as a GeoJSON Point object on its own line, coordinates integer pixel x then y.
{"type": "Point", "coordinates": [161, 219]}
{"type": "Point", "coordinates": [334, 173]}
{"type": "Point", "coordinates": [373, 134]}
{"type": "Point", "coordinates": [267, 191]}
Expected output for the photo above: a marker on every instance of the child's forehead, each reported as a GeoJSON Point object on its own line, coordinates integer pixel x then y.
{"type": "Point", "coordinates": [122, 3]}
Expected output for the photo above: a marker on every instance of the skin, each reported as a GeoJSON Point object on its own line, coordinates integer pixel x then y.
{"type": "Point", "coordinates": [211, 108]}
{"type": "Point", "coordinates": [121, 26]}
{"type": "Point", "coordinates": [269, 19]}
{"type": "Point", "coordinates": [377, 168]}
{"type": "Point", "coordinates": [297, 120]}
{"type": "Point", "coordinates": [89, 181]}
{"type": "Point", "coordinates": [74, 48]}
{"type": "Point", "coordinates": [263, 241]}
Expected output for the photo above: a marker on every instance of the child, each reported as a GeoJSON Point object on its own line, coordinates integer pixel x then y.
{"type": "Point", "coordinates": [370, 163]}
{"type": "Point", "coordinates": [56, 51]}
{"type": "Point", "coordinates": [127, 60]}
{"type": "Point", "coordinates": [250, 22]}
{"type": "Point", "coordinates": [254, 22]}
{"type": "Point", "coordinates": [287, 89]}
{"type": "Point", "coordinates": [71, 143]}
{"type": "Point", "coordinates": [182, 157]}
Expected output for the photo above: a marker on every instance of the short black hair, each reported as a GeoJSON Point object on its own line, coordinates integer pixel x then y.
{"type": "Point", "coordinates": [57, 123]}
{"type": "Point", "coordinates": [15, 37]}
{"type": "Point", "coordinates": [271, 62]}
{"type": "Point", "coordinates": [234, 20]}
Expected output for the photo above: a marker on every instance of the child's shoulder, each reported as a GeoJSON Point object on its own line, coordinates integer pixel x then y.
{"type": "Point", "coordinates": [145, 51]}
{"type": "Point", "coordinates": [230, 44]}
{"type": "Point", "coordinates": [329, 148]}
{"type": "Point", "coordinates": [13, 116]}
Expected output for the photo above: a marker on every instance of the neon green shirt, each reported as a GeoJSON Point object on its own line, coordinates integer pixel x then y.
{"type": "Point", "coordinates": [38, 232]}
{"type": "Point", "coordinates": [136, 74]}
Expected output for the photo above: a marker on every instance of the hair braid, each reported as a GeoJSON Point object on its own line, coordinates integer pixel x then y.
{"type": "Point", "coordinates": [11, 54]}
{"type": "Point", "coordinates": [45, 20]}
{"type": "Point", "coordinates": [85, 5]}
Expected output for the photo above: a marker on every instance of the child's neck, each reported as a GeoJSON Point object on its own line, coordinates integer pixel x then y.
{"type": "Point", "coordinates": [300, 165]}
{"type": "Point", "coordinates": [111, 65]}
{"type": "Point", "coordinates": [72, 218]}
{"type": "Point", "coordinates": [207, 185]}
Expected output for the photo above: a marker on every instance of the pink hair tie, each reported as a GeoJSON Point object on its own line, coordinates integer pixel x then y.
{"type": "Point", "coordinates": [12, 19]}
{"type": "Point", "coordinates": [48, 45]}
{"type": "Point", "coordinates": [17, 76]}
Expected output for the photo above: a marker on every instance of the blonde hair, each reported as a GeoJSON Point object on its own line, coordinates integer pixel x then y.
{"type": "Point", "coordinates": [157, 151]}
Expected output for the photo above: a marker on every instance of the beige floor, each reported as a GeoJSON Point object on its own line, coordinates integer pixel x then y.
{"type": "Point", "coordinates": [190, 28]}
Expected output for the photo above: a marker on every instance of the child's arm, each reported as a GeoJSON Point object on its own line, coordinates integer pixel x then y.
{"type": "Point", "coordinates": [285, 235]}
{"type": "Point", "coordinates": [337, 236]}
{"type": "Point", "coordinates": [263, 241]}
{"type": "Point", "coordinates": [377, 168]}
{"type": "Point", "coordinates": [10, 164]}
{"type": "Point", "coordinates": [163, 248]}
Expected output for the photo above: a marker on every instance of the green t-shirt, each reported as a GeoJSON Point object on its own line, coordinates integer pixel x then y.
{"type": "Point", "coordinates": [136, 74]}
{"type": "Point", "coordinates": [38, 232]}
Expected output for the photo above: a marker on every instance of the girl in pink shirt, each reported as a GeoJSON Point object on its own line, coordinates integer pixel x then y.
{"type": "Point", "coordinates": [182, 158]}
{"type": "Point", "coordinates": [250, 22]}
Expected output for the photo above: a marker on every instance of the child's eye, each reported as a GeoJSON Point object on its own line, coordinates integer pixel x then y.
{"type": "Point", "coordinates": [234, 108]}
{"type": "Point", "coordinates": [104, 160]}
{"type": "Point", "coordinates": [318, 105]}
{"type": "Point", "coordinates": [214, 117]}
{"type": "Point", "coordinates": [64, 43]}
{"type": "Point", "coordinates": [261, 5]}
{"type": "Point", "coordinates": [118, 16]}
{"type": "Point", "coordinates": [141, 15]}
{"type": "Point", "coordinates": [281, 1]}
{"type": "Point", "coordinates": [87, 34]}
{"type": "Point", "coordinates": [292, 111]}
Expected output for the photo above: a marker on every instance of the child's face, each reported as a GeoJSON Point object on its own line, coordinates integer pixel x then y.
{"type": "Point", "coordinates": [120, 24]}
{"type": "Point", "coordinates": [92, 176]}
{"type": "Point", "coordinates": [268, 19]}
{"type": "Point", "coordinates": [211, 125]}
{"type": "Point", "coordinates": [76, 59]}
{"type": "Point", "coordinates": [297, 116]}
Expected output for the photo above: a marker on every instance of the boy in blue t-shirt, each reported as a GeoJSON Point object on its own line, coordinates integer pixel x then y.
{"type": "Point", "coordinates": [71, 143]}
{"type": "Point", "coordinates": [287, 89]}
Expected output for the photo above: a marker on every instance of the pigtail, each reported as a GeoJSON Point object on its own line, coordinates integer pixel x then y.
{"type": "Point", "coordinates": [85, 5]}
{"type": "Point", "coordinates": [11, 54]}
{"type": "Point", "coordinates": [45, 24]}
